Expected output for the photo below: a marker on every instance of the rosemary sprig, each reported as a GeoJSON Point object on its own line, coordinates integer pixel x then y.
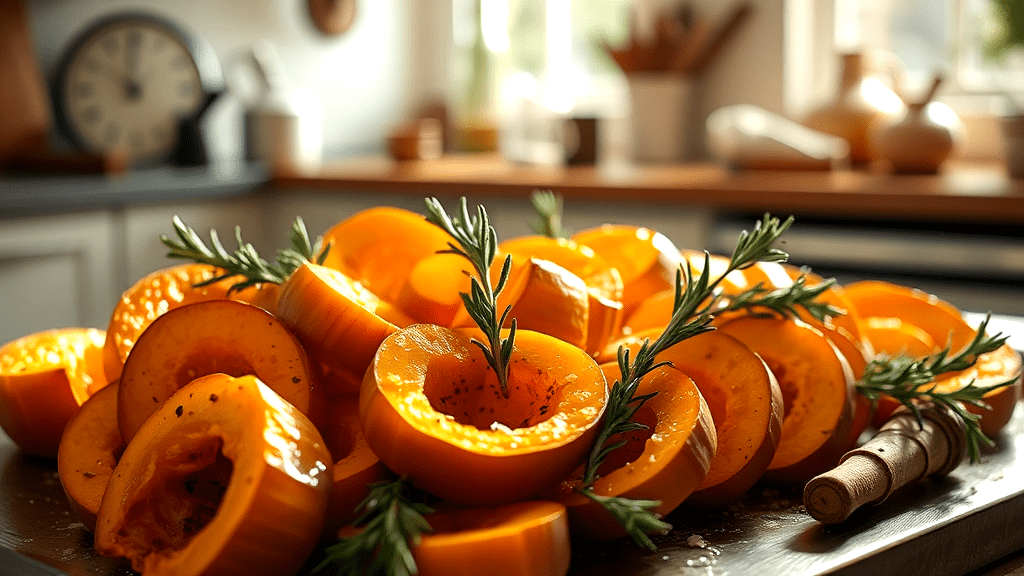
{"type": "Point", "coordinates": [689, 318]}
{"type": "Point", "coordinates": [478, 243]}
{"type": "Point", "coordinates": [785, 301]}
{"type": "Point", "coordinates": [906, 379]}
{"type": "Point", "coordinates": [245, 261]}
{"type": "Point", "coordinates": [549, 214]}
{"type": "Point", "coordinates": [392, 523]}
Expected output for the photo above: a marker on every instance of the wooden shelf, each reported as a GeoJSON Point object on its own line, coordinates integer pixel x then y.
{"type": "Point", "coordinates": [964, 192]}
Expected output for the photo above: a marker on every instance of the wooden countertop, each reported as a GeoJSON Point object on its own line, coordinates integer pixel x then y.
{"type": "Point", "coordinates": [969, 192]}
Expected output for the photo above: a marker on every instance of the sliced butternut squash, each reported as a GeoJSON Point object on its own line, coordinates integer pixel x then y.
{"type": "Point", "coordinates": [44, 378]}
{"type": "Point", "coordinates": [894, 337]}
{"type": "Point", "coordinates": [355, 465]}
{"type": "Point", "coordinates": [746, 405]}
{"type": "Point", "coordinates": [89, 451]}
{"type": "Point", "coordinates": [334, 317]}
{"type": "Point", "coordinates": [1000, 365]}
{"type": "Point", "coordinates": [431, 294]}
{"type": "Point", "coordinates": [544, 298]}
{"type": "Point", "coordinates": [817, 391]}
{"type": "Point", "coordinates": [432, 410]}
{"type": "Point", "coordinates": [521, 539]}
{"type": "Point", "coordinates": [226, 478]}
{"type": "Point", "coordinates": [665, 462]}
{"type": "Point", "coordinates": [603, 282]}
{"type": "Point", "coordinates": [165, 290]}
{"type": "Point", "coordinates": [646, 260]}
{"type": "Point", "coordinates": [208, 337]}
{"type": "Point", "coordinates": [378, 247]}
{"type": "Point", "coordinates": [941, 320]}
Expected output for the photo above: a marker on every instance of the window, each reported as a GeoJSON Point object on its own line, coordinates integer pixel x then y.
{"type": "Point", "coordinates": [928, 36]}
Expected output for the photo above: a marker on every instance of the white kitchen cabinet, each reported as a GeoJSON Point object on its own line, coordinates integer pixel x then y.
{"type": "Point", "coordinates": [56, 272]}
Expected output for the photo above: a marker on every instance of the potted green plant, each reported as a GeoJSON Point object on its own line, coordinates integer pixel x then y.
{"type": "Point", "coordinates": [1006, 37]}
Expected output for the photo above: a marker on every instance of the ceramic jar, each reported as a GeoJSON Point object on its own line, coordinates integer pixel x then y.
{"type": "Point", "coordinates": [919, 141]}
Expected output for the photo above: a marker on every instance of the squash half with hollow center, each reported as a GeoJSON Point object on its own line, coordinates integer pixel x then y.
{"type": "Point", "coordinates": [432, 409]}
{"type": "Point", "coordinates": [226, 478]}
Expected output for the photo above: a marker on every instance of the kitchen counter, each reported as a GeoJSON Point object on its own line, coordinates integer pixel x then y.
{"type": "Point", "coordinates": [980, 193]}
{"type": "Point", "coordinates": [33, 195]}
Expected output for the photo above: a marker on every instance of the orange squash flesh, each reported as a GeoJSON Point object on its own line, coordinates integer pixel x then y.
{"type": "Point", "coordinates": [378, 247]}
{"type": "Point", "coordinates": [44, 378]}
{"type": "Point", "coordinates": [852, 321]}
{"type": "Point", "coordinates": [431, 294]}
{"type": "Point", "coordinates": [430, 398]}
{"type": "Point", "coordinates": [646, 260]}
{"type": "Point", "coordinates": [1000, 365]}
{"type": "Point", "coordinates": [355, 465]}
{"type": "Point", "coordinates": [521, 539]}
{"type": "Point", "coordinates": [334, 317]}
{"type": "Point", "coordinates": [939, 319]}
{"type": "Point", "coordinates": [225, 479]}
{"type": "Point", "coordinates": [89, 451]}
{"type": "Point", "coordinates": [666, 462]}
{"type": "Point", "coordinates": [203, 338]}
{"type": "Point", "coordinates": [857, 358]}
{"type": "Point", "coordinates": [894, 337]}
{"type": "Point", "coordinates": [816, 384]}
{"type": "Point", "coordinates": [603, 282]}
{"type": "Point", "coordinates": [165, 290]}
{"type": "Point", "coordinates": [746, 404]}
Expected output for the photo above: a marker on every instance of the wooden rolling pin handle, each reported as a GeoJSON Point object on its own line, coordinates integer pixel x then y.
{"type": "Point", "coordinates": [902, 452]}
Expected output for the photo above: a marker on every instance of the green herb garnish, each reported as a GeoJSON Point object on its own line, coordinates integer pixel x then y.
{"type": "Point", "coordinates": [786, 301]}
{"type": "Point", "coordinates": [549, 214]}
{"type": "Point", "coordinates": [906, 379]}
{"type": "Point", "coordinates": [392, 523]}
{"type": "Point", "coordinates": [478, 243]}
{"type": "Point", "coordinates": [244, 261]}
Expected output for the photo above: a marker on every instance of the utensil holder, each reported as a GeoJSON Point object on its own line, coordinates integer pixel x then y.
{"type": "Point", "coordinates": [661, 106]}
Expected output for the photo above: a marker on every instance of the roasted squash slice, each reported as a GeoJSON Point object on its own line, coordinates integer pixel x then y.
{"type": "Point", "coordinates": [666, 462]}
{"type": "Point", "coordinates": [378, 247]}
{"type": "Point", "coordinates": [225, 479]}
{"type": "Point", "coordinates": [335, 317]}
{"type": "Point", "coordinates": [544, 297]}
{"type": "Point", "coordinates": [89, 451]}
{"type": "Point", "coordinates": [355, 465]}
{"type": "Point", "coordinates": [817, 392]}
{"type": "Point", "coordinates": [603, 282]}
{"type": "Point", "coordinates": [521, 539]}
{"type": "Point", "coordinates": [44, 378]}
{"type": "Point", "coordinates": [165, 290]}
{"type": "Point", "coordinates": [941, 320]}
{"type": "Point", "coordinates": [216, 336]}
{"type": "Point", "coordinates": [646, 260]}
{"type": "Point", "coordinates": [432, 410]}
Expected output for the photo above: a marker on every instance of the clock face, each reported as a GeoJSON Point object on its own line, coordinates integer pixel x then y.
{"type": "Point", "coordinates": [126, 88]}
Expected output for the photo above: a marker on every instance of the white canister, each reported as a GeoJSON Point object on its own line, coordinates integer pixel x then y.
{"type": "Point", "coordinates": [661, 106]}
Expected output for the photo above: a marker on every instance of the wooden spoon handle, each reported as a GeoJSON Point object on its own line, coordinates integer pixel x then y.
{"type": "Point", "coordinates": [902, 452]}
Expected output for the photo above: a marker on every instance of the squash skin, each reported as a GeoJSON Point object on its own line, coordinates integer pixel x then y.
{"type": "Point", "coordinates": [422, 366]}
{"type": "Point", "coordinates": [746, 405]}
{"type": "Point", "coordinates": [355, 465]}
{"type": "Point", "coordinates": [271, 511]}
{"type": "Point", "coordinates": [521, 539]}
{"type": "Point", "coordinates": [44, 379]}
{"type": "Point", "coordinates": [334, 317]}
{"type": "Point", "coordinates": [224, 336]}
{"type": "Point", "coordinates": [665, 463]}
{"type": "Point", "coordinates": [89, 451]}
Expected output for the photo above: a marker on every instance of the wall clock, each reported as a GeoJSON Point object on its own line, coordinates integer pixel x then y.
{"type": "Point", "coordinates": [137, 84]}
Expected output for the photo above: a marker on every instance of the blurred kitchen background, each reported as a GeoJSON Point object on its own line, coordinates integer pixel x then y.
{"type": "Point", "coordinates": [753, 86]}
